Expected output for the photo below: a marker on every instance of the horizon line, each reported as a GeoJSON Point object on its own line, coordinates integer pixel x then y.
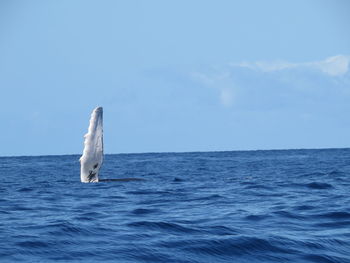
{"type": "Point", "coordinates": [179, 152]}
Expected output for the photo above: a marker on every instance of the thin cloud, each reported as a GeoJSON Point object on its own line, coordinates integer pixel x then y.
{"type": "Point", "coordinates": [332, 66]}
{"type": "Point", "coordinates": [266, 66]}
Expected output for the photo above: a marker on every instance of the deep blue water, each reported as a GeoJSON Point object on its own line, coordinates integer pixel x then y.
{"type": "Point", "coordinates": [249, 206]}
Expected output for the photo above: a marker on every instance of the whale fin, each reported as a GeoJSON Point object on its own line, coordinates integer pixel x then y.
{"type": "Point", "coordinates": [92, 158]}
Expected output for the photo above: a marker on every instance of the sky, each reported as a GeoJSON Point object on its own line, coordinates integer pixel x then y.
{"type": "Point", "coordinates": [174, 76]}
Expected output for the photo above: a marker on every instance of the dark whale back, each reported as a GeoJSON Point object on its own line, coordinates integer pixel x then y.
{"type": "Point", "coordinates": [121, 180]}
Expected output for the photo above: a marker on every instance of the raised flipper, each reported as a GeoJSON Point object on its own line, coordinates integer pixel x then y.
{"type": "Point", "coordinates": [92, 158]}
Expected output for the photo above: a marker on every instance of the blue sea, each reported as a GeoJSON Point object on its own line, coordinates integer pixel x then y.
{"type": "Point", "coordinates": [238, 206]}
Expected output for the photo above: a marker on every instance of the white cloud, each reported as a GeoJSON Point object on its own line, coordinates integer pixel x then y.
{"type": "Point", "coordinates": [266, 66]}
{"type": "Point", "coordinates": [333, 66]}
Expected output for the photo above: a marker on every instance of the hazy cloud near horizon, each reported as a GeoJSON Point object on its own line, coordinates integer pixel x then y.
{"type": "Point", "coordinates": [278, 83]}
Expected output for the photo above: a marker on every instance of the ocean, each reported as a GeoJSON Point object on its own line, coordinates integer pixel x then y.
{"type": "Point", "coordinates": [235, 206]}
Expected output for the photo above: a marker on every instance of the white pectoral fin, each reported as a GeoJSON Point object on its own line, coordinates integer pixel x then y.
{"type": "Point", "coordinates": [92, 158]}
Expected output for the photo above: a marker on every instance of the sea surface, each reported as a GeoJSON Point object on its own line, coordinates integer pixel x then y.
{"type": "Point", "coordinates": [239, 206]}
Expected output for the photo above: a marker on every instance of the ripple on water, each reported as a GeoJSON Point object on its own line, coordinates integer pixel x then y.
{"type": "Point", "coordinates": [233, 246]}
{"type": "Point", "coordinates": [25, 189]}
{"type": "Point", "coordinates": [318, 185]}
{"type": "Point", "coordinates": [304, 207]}
{"type": "Point", "coordinates": [32, 244]}
{"type": "Point", "coordinates": [143, 211]}
{"type": "Point", "coordinates": [257, 217]}
{"type": "Point", "coordinates": [324, 258]}
{"type": "Point", "coordinates": [66, 229]}
{"type": "Point", "coordinates": [162, 226]}
{"type": "Point", "coordinates": [337, 224]}
{"type": "Point", "coordinates": [334, 215]}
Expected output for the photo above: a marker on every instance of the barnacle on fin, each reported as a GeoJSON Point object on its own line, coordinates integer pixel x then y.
{"type": "Point", "coordinates": [91, 176]}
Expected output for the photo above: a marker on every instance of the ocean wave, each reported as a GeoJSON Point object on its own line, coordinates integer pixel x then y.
{"type": "Point", "coordinates": [260, 206]}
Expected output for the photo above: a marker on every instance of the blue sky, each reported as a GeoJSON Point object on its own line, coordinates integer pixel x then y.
{"type": "Point", "coordinates": [174, 75]}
